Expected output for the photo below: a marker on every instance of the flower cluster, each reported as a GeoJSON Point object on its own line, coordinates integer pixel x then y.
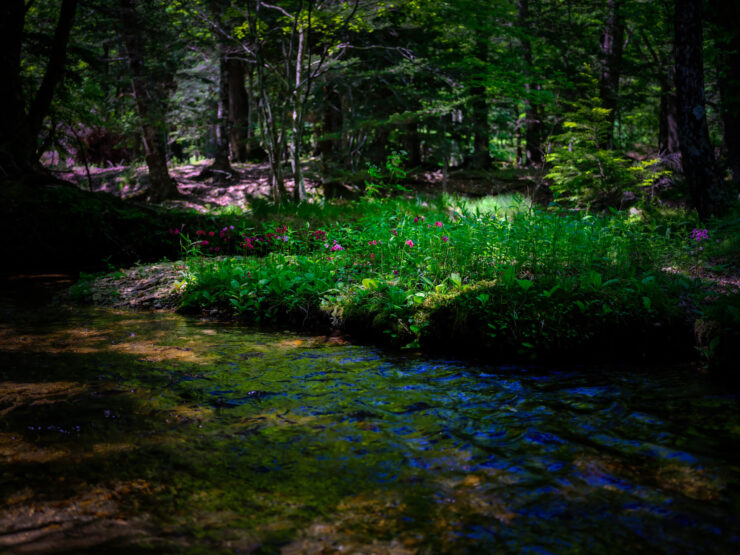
{"type": "Point", "coordinates": [699, 235]}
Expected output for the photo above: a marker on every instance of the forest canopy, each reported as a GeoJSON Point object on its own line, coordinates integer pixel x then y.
{"type": "Point", "coordinates": [605, 100]}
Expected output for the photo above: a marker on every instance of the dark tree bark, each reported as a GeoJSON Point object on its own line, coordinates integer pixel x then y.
{"type": "Point", "coordinates": [612, 41]}
{"type": "Point", "coordinates": [668, 143]}
{"type": "Point", "coordinates": [481, 158]}
{"type": "Point", "coordinates": [726, 15]}
{"type": "Point", "coordinates": [239, 109]}
{"type": "Point", "coordinates": [19, 130]}
{"type": "Point", "coordinates": [330, 144]}
{"type": "Point", "coordinates": [149, 107]}
{"type": "Point", "coordinates": [412, 144]}
{"type": "Point", "coordinates": [707, 192]}
{"type": "Point", "coordinates": [532, 119]}
{"type": "Point", "coordinates": [221, 171]}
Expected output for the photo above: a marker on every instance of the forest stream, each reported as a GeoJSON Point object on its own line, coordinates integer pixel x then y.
{"type": "Point", "coordinates": [150, 432]}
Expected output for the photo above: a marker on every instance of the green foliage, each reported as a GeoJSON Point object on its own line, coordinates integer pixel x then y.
{"type": "Point", "coordinates": [535, 281]}
{"type": "Point", "coordinates": [583, 169]}
{"type": "Point", "coordinates": [384, 182]}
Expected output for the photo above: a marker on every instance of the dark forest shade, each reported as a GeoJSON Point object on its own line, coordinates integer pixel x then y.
{"type": "Point", "coordinates": [697, 156]}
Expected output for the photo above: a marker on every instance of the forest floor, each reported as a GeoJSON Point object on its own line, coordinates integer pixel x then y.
{"type": "Point", "coordinates": [202, 195]}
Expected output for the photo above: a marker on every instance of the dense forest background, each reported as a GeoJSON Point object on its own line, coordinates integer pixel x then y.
{"type": "Point", "coordinates": [604, 101]}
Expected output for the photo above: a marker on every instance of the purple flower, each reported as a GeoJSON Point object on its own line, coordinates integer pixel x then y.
{"type": "Point", "coordinates": [699, 235]}
{"type": "Point", "coordinates": [395, 272]}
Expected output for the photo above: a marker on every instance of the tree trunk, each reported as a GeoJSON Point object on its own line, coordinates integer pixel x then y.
{"type": "Point", "coordinates": [726, 16]}
{"type": "Point", "coordinates": [612, 41]}
{"type": "Point", "coordinates": [238, 109]}
{"type": "Point", "coordinates": [532, 119]}
{"type": "Point", "coordinates": [330, 144]}
{"type": "Point", "coordinates": [296, 142]}
{"type": "Point", "coordinates": [668, 131]}
{"type": "Point", "coordinates": [707, 193]}
{"type": "Point", "coordinates": [18, 130]}
{"type": "Point", "coordinates": [412, 144]}
{"type": "Point", "coordinates": [151, 114]}
{"type": "Point", "coordinates": [481, 137]}
{"type": "Point", "coordinates": [221, 171]}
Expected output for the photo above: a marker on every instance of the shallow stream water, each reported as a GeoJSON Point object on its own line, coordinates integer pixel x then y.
{"type": "Point", "coordinates": [127, 432]}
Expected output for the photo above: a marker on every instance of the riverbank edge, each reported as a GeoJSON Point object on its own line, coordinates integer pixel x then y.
{"type": "Point", "coordinates": [451, 329]}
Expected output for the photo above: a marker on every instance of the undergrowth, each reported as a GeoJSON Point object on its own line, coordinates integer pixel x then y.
{"type": "Point", "coordinates": [451, 276]}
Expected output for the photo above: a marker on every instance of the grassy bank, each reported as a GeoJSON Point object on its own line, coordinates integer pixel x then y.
{"type": "Point", "coordinates": [481, 279]}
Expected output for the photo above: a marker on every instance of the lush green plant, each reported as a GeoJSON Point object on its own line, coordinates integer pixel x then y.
{"type": "Point", "coordinates": [534, 280]}
{"type": "Point", "coordinates": [383, 182]}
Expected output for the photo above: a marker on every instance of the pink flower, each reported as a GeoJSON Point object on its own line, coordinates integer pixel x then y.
{"type": "Point", "coordinates": [394, 232]}
{"type": "Point", "coordinates": [174, 231]}
{"type": "Point", "coordinates": [410, 243]}
{"type": "Point", "coordinates": [217, 249]}
{"type": "Point", "coordinates": [416, 220]}
{"type": "Point", "coordinates": [395, 272]}
{"type": "Point", "coordinates": [372, 256]}
{"type": "Point", "coordinates": [203, 243]}
{"type": "Point", "coordinates": [438, 224]}
{"type": "Point", "coordinates": [200, 232]}
{"type": "Point", "coordinates": [211, 233]}
{"type": "Point", "coordinates": [445, 238]}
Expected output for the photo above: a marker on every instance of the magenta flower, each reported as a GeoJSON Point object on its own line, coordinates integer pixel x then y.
{"type": "Point", "coordinates": [211, 233]}
{"type": "Point", "coordinates": [200, 232]}
{"type": "Point", "coordinates": [394, 232]}
{"type": "Point", "coordinates": [395, 272]}
{"type": "Point", "coordinates": [699, 235]}
{"type": "Point", "coordinates": [203, 243]}
{"type": "Point", "coordinates": [416, 220]}
{"type": "Point", "coordinates": [445, 238]}
{"type": "Point", "coordinates": [438, 224]}
{"type": "Point", "coordinates": [410, 243]}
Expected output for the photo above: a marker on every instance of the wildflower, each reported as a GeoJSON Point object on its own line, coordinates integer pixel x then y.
{"type": "Point", "coordinates": [211, 233]}
{"type": "Point", "coordinates": [285, 238]}
{"type": "Point", "coordinates": [249, 274]}
{"type": "Point", "coordinates": [174, 231]}
{"type": "Point", "coordinates": [438, 224]}
{"type": "Point", "coordinates": [372, 256]}
{"type": "Point", "coordinates": [337, 247]}
{"type": "Point", "coordinates": [231, 227]}
{"type": "Point", "coordinates": [394, 232]}
{"type": "Point", "coordinates": [203, 243]}
{"type": "Point", "coordinates": [416, 220]}
{"type": "Point", "coordinates": [200, 232]}
{"type": "Point", "coordinates": [217, 249]}
{"type": "Point", "coordinates": [445, 238]}
{"type": "Point", "coordinates": [395, 272]}
{"type": "Point", "coordinates": [410, 243]}
{"type": "Point", "coordinates": [699, 234]}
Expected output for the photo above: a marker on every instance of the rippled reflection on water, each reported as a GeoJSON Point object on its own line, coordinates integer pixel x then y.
{"type": "Point", "coordinates": [151, 432]}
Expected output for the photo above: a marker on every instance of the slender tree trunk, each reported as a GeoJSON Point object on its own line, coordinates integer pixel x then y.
{"type": "Point", "coordinates": [151, 114]}
{"type": "Point", "coordinates": [19, 130]}
{"type": "Point", "coordinates": [612, 41]}
{"type": "Point", "coordinates": [296, 143]}
{"type": "Point", "coordinates": [697, 157]}
{"type": "Point", "coordinates": [238, 109]}
{"type": "Point", "coordinates": [221, 170]}
{"type": "Point", "coordinates": [532, 118]}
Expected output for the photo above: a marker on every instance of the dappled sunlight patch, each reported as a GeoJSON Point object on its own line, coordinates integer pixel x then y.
{"type": "Point", "coordinates": [83, 521]}
{"type": "Point", "coordinates": [691, 482]}
{"type": "Point", "coordinates": [14, 394]}
{"type": "Point", "coordinates": [15, 449]}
